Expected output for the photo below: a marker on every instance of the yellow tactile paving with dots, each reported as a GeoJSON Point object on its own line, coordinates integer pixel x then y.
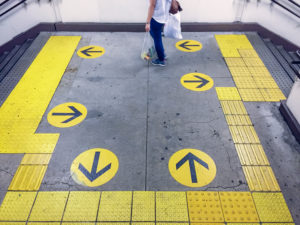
{"type": "Point", "coordinates": [114, 223]}
{"type": "Point", "coordinates": [235, 62]}
{"type": "Point", "coordinates": [272, 95]}
{"type": "Point", "coordinates": [243, 223]}
{"type": "Point", "coordinates": [46, 223]}
{"type": "Point", "coordinates": [251, 95]}
{"type": "Point", "coordinates": [248, 53]}
{"type": "Point", "coordinates": [259, 72]}
{"type": "Point", "coordinates": [240, 71]}
{"type": "Point", "coordinates": [252, 155]}
{"type": "Point", "coordinates": [36, 159]}
{"type": "Point", "coordinates": [204, 206]}
{"type": "Point", "coordinates": [233, 108]}
{"type": "Point", "coordinates": [228, 93]}
{"type": "Point", "coordinates": [143, 206]}
{"type": "Point", "coordinates": [253, 62]}
{"type": "Point", "coordinates": [244, 135]}
{"type": "Point", "coordinates": [143, 223]}
{"type": "Point", "coordinates": [238, 120]}
{"type": "Point", "coordinates": [244, 82]}
{"type": "Point", "coordinates": [82, 206]}
{"type": "Point", "coordinates": [49, 206]}
{"type": "Point", "coordinates": [115, 206]}
{"type": "Point", "coordinates": [12, 223]}
{"type": "Point", "coordinates": [271, 207]}
{"type": "Point", "coordinates": [25, 106]}
{"type": "Point", "coordinates": [277, 224]}
{"type": "Point", "coordinates": [28, 178]}
{"type": "Point", "coordinates": [265, 82]}
{"type": "Point", "coordinates": [171, 206]}
{"type": "Point", "coordinates": [261, 178]}
{"type": "Point", "coordinates": [16, 206]}
{"type": "Point", "coordinates": [238, 207]}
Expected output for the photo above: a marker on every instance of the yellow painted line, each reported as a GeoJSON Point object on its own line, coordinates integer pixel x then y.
{"type": "Point", "coordinates": [240, 71]}
{"type": "Point", "coordinates": [171, 206]}
{"type": "Point", "coordinates": [115, 206]}
{"type": "Point", "coordinates": [12, 223]}
{"type": "Point", "coordinates": [244, 135]}
{"type": "Point", "coordinates": [28, 178]}
{"type": "Point", "coordinates": [261, 178]}
{"type": "Point", "coordinates": [204, 206]}
{"type": "Point", "coordinates": [22, 112]}
{"type": "Point", "coordinates": [238, 120]}
{"type": "Point", "coordinates": [16, 206]}
{"type": "Point", "coordinates": [82, 206]}
{"type": "Point", "coordinates": [51, 223]}
{"type": "Point", "coordinates": [248, 53]}
{"type": "Point", "coordinates": [272, 95]}
{"type": "Point", "coordinates": [252, 155]}
{"type": "Point", "coordinates": [238, 207]}
{"type": "Point", "coordinates": [244, 82]}
{"type": "Point", "coordinates": [265, 82]}
{"type": "Point", "coordinates": [36, 159]}
{"type": "Point", "coordinates": [235, 62]}
{"type": "Point", "coordinates": [253, 62]}
{"type": "Point", "coordinates": [271, 207]}
{"type": "Point", "coordinates": [260, 72]}
{"type": "Point", "coordinates": [143, 207]}
{"type": "Point", "coordinates": [228, 93]}
{"type": "Point", "coordinates": [233, 108]}
{"type": "Point", "coordinates": [251, 95]}
{"type": "Point", "coordinates": [49, 206]}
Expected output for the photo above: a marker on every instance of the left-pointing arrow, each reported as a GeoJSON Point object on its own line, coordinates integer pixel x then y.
{"type": "Point", "coordinates": [201, 80]}
{"type": "Point", "coordinates": [87, 51]}
{"type": "Point", "coordinates": [76, 113]}
{"type": "Point", "coordinates": [93, 175]}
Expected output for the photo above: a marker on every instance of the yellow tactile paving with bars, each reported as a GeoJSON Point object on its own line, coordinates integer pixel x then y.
{"type": "Point", "coordinates": [252, 155]}
{"type": "Point", "coordinates": [238, 120]}
{"type": "Point", "coordinates": [228, 93]}
{"type": "Point", "coordinates": [244, 135]}
{"type": "Point", "coordinates": [28, 178]}
{"type": "Point", "coordinates": [16, 206]}
{"type": "Point", "coordinates": [233, 108]}
{"type": "Point", "coordinates": [204, 206]}
{"type": "Point", "coordinates": [29, 100]}
{"type": "Point", "coordinates": [171, 206]}
{"type": "Point", "coordinates": [143, 206]}
{"type": "Point", "coordinates": [36, 159]}
{"type": "Point", "coordinates": [261, 178]}
{"type": "Point", "coordinates": [82, 206]}
{"type": "Point", "coordinates": [49, 206]}
{"type": "Point", "coordinates": [115, 206]}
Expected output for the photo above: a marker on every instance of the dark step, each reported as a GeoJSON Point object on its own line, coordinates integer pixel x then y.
{"type": "Point", "coordinates": [9, 57]}
{"type": "Point", "coordinates": [3, 56]}
{"type": "Point", "coordinates": [296, 58]}
{"type": "Point", "coordinates": [288, 59]}
{"type": "Point", "coordinates": [14, 59]}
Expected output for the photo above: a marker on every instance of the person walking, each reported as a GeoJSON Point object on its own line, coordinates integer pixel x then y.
{"type": "Point", "coordinates": [158, 13]}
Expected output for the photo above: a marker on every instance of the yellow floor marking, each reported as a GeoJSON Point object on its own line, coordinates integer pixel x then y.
{"type": "Point", "coordinates": [228, 93]}
{"type": "Point", "coordinates": [28, 178]}
{"type": "Point", "coordinates": [143, 207]}
{"type": "Point", "coordinates": [261, 178]}
{"type": "Point", "coordinates": [238, 207]}
{"type": "Point", "coordinates": [252, 155]}
{"type": "Point", "coordinates": [248, 53]}
{"type": "Point", "coordinates": [251, 95]}
{"type": "Point", "coordinates": [206, 224]}
{"type": "Point", "coordinates": [271, 207]}
{"type": "Point", "coordinates": [259, 72]}
{"type": "Point", "coordinates": [235, 62]}
{"type": "Point", "coordinates": [44, 223]}
{"type": "Point", "coordinates": [265, 82]}
{"type": "Point", "coordinates": [243, 224]}
{"type": "Point", "coordinates": [230, 53]}
{"type": "Point", "coordinates": [277, 224]}
{"type": "Point", "coordinates": [233, 108]}
{"type": "Point", "coordinates": [171, 206]}
{"type": "Point", "coordinates": [49, 206]}
{"type": "Point", "coordinates": [240, 71]}
{"type": "Point", "coordinates": [82, 206]}
{"type": "Point", "coordinates": [188, 45]}
{"type": "Point", "coordinates": [197, 82]}
{"type": "Point", "coordinates": [244, 135]}
{"type": "Point", "coordinates": [29, 100]}
{"type": "Point", "coordinates": [114, 223]}
{"type": "Point", "coordinates": [142, 223]}
{"type": "Point", "coordinates": [233, 41]}
{"type": "Point", "coordinates": [12, 223]}
{"type": "Point", "coordinates": [36, 159]}
{"type": "Point", "coordinates": [244, 82]}
{"type": "Point", "coordinates": [204, 206]}
{"type": "Point", "coordinates": [253, 62]}
{"type": "Point", "coordinates": [90, 52]}
{"type": "Point", "coordinates": [16, 206]}
{"type": "Point", "coordinates": [272, 95]}
{"type": "Point", "coordinates": [238, 120]}
{"type": "Point", "coordinates": [115, 206]}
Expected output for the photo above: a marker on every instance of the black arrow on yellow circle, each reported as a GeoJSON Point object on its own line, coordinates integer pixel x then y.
{"type": "Point", "coordinates": [201, 80]}
{"type": "Point", "coordinates": [185, 45]}
{"type": "Point", "coordinates": [76, 113]}
{"type": "Point", "coordinates": [87, 51]}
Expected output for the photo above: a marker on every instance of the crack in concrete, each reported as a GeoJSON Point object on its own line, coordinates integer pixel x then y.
{"type": "Point", "coordinates": [2, 170]}
{"type": "Point", "coordinates": [230, 187]}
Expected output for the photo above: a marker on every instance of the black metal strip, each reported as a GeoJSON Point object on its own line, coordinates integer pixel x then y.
{"type": "Point", "coordinates": [295, 3]}
{"type": "Point", "coordinates": [11, 8]}
{"type": "Point", "coordinates": [286, 8]}
{"type": "Point", "coordinates": [4, 2]}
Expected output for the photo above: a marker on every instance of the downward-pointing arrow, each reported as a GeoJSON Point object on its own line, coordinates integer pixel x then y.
{"type": "Point", "coordinates": [76, 113]}
{"type": "Point", "coordinates": [185, 45]}
{"type": "Point", "coordinates": [201, 80]}
{"type": "Point", "coordinates": [87, 51]}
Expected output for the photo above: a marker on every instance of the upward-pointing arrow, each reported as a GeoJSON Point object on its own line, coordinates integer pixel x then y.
{"type": "Point", "coordinates": [201, 80]}
{"type": "Point", "coordinates": [191, 158]}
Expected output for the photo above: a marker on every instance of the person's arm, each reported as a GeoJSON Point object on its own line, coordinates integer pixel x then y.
{"type": "Point", "coordinates": [150, 14]}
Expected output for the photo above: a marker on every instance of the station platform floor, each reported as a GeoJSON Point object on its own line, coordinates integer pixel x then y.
{"type": "Point", "coordinates": [92, 134]}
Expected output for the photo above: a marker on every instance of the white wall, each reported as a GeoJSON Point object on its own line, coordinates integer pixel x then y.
{"type": "Point", "coordinates": [125, 11]}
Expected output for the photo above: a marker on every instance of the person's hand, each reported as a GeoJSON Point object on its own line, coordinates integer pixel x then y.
{"type": "Point", "coordinates": [147, 27]}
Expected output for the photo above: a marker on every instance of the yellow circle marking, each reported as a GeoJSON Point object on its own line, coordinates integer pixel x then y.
{"type": "Point", "coordinates": [94, 167]}
{"type": "Point", "coordinates": [192, 168]}
{"type": "Point", "coordinates": [188, 45]}
{"type": "Point", "coordinates": [67, 114]}
{"type": "Point", "coordinates": [90, 52]}
{"type": "Point", "coordinates": [197, 81]}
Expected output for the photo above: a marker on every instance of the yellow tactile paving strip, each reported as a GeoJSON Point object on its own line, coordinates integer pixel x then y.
{"type": "Point", "coordinates": [252, 155]}
{"type": "Point", "coordinates": [36, 159]}
{"type": "Point", "coordinates": [143, 207]}
{"type": "Point", "coordinates": [228, 93]}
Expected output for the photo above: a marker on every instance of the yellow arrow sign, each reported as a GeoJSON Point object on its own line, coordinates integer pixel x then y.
{"type": "Point", "coordinates": [197, 81]}
{"type": "Point", "coordinates": [90, 52]}
{"type": "Point", "coordinates": [188, 45]}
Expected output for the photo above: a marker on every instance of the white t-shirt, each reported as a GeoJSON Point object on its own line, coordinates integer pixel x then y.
{"type": "Point", "coordinates": [161, 10]}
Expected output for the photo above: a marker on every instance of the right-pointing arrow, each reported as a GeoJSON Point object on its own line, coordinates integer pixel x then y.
{"type": "Point", "coordinates": [185, 45]}
{"type": "Point", "coordinates": [201, 80]}
{"type": "Point", "coordinates": [192, 158]}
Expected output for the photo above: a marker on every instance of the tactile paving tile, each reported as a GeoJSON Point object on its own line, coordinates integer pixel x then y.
{"type": "Point", "coordinates": [272, 95]}
{"type": "Point", "coordinates": [233, 62]}
{"type": "Point", "coordinates": [143, 207]}
{"type": "Point", "coordinates": [16, 206]}
{"type": "Point", "coordinates": [244, 135]}
{"type": "Point", "coordinates": [259, 72]}
{"type": "Point", "coordinates": [253, 62]}
{"type": "Point", "coordinates": [244, 82]}
{"type": "Point", "coordinates": [52, 223]}
{"type": "Point", "coordinates": [204, 206]}
{"type": "Point", "coordinates": [277, 224]}
{"type": "Point", "coordinates": [252, 155]}
{"type": "Point", "coordinates": [228, 93]}
{"type": "Point", "coordinates": [49, 206]}
{"type": "Point", "coordinates": [251, 95]}
{"type": "Point", "coordinates": [239, 71]}
{"type": "Point", "coordinates": [171, 206]}
{"type": "Point", "coordinates": [244, 224]}
{"type": "Point", "coordinates": [265, 82]}
{"type": "Point", "coordinates": [142, 223]}
{"type": "Point", "coordinates": [82, 206]}
{"type": "Point", "coordinates": [271, 207]}
{"type": "Point", "coordinates": [248, 53]}
{"type": "Point", "coordinates": [115, 206]}
{"type": "Point", "coordinates": [103, 223]}
{"type": "Point", "coordinates": [36, 159]}
{"type": "Point", "coordinates": [238, 120]}
{"type": "Point", "coordinates": [261, 178]}
{"type": "Point", "coordinates": [176, 224]}
{"type": "Point", "coordinates": [233, 108]}
{"type": "Point", "coordinates": [238, 207]}
{"type": "Point", "coordinates": [28, 178]}
{"type": "Point", "coordinates": [229, 52]}
{"type": "Point", "coordinates": [12, 223]}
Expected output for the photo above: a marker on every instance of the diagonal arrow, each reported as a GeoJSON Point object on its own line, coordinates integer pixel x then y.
{"type": "Point", "coordinates": [192, 158]}
{"type": "Point", "coordinates": [86, 51]}
{"type": "Point", "coordinates": [185, 45]}
{"type": "Point", "coordinates": [76, 113]}
{"type": "Point", "coordinates": [93, 175]}
{"type": "Point", "coordinates": [201, 80]}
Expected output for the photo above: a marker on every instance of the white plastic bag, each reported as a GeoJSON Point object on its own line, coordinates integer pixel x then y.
{"type": "Point", "coordinates": [172, 28]}
{"type": "Point", "coordinates": [148, 50]}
